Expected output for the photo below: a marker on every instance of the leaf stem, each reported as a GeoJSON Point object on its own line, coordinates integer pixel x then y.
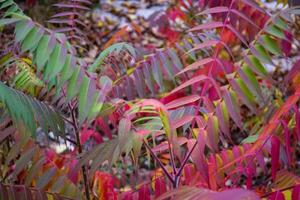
{"type": "Point", "coordinates": [184, 163]}
{"type": "Point", "coordinates": [159, 162]}
{"type": "Point", "coordinates": [76, 131]}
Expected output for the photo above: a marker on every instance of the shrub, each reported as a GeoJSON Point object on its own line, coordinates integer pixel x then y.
{"type": "Point", "coordinates": [202, 116]}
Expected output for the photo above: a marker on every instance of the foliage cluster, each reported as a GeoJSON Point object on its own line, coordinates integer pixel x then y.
{"type": "Point", "coordinates": [200, 118]}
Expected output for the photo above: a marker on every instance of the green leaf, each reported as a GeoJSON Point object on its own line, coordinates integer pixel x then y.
{"type": "Point", "coordinates": [243, 92]}
{"type": "Point", "coordinates": [66, 72]}
{"type": "Point", "coordinates": [83, 95]}
{"type": "Point", "coordinates": [23, 161]}
{"type": "Point", "coordinates": [7, 3]}
{"type": "Point", "coordinates": [250, 80]}
{"type": "Point", "coordinates": [22, 29]}
{"type": "Point", "coordinates": [223, 116]}
{"type": "Point", "coordinates": [32, 39]}
{"type": "Point", "coordinates": [280, 23]}
{"type": "Point", "coordinates": [96, 106]}
{"type": "Point", "coordinates": [46, 177]}
{"type": "Point", "coordinates": [157, 73]}
{"type": "Point", "coordinates": [72, 90]}
{"type": "Point", "coordinates": [16, 149]}
{"type": "Point", "coordinates": [275, 31]}
{"type": "Point", "coordinates": [32, 172]}
{"type": "Point", "coordinates": [56, 62]}
{"type": "Point", "coordinates": [28, 111]}
{"type": "Point", "coordinates": [270, 45]}
{"type": "Point", "coordinates": [256, 65]}
{"type": "Point", "coordinates": [260, 52]}
{"type": "Point", "coordinates": [231, 102]}
{"type": "Point", "coordinates": [7, 21]}
{"type": "Point", "coordinates": [250, 139]}
{"type": "Point", "coordinates": [166, 64]}
{"type": "Point", "coordinates": [213, 132]}
{"type": "Point", "coordinates": [44, 50]}
{"type": "Point", "coordinates": [113, 48]}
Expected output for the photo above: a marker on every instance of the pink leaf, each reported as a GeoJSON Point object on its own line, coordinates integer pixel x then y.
{"type": "Point", "coordinates": [124, 127]}
{"type": "Point", "coordinates": [198, 156]}
{"type": "Point", "coordinates": [232, 107]}
{"type": "Point", "coordinates": [208, 43]}
{"type": "Point", "coordinates": [189, 172]}
{"type": "Point", "coordinates": [164, 145]}
{"type": "Point", "coordinates": [182, 101]}
{"type": "Point", "coordinates": [196, 65]}
{"type": "Point", "coordinates": [218, 9]}
{"type": "Point", "coordinates": [234, 194]}
{"type": "Point", "coordinates": [181, 121]}
{"type": "Point", "coordinates": [196, 80]}
{"type": "Point", "coordinates": [208, 25]}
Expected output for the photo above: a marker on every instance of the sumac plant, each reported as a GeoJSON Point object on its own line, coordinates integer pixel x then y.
{"type": "Point", "coordinates": [203, 117]}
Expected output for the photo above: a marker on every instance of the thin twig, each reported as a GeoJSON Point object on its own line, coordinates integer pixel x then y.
{"type": "Point", "coordinates": [76, 130]}
{"type": "Point", "coordinates": [67, 120]}
{"type": "Point", "coordinates": [159, 162]}
{"type": "Point", "coordinates": [187, 158]}
{"type": "Point", "coordinates": [170, 144]}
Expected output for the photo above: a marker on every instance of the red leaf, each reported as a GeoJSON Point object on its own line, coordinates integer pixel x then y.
{"type": "Point", "coordinates": [293, 72]}
{"type": "Point", "coordinates": [160, 186]}
{"type": "Point", "coordinates": [72, 174]}
{"type": "Point", "coordinates": [250, 173]}
{"type": "Point", "coordinates": [275, 150]}
{"type": "Point", "coordinates": [144, 192]}
{"type": "Point", "coordinates": [127, 195]}
{"type": "Point", "coordinates": [86, 134]}
{"type": "Point", "coordinates": [175, 13]}
{"type": "Point", "coordinates": [296, 193]}
{"type": "Point", "coordinates": [104, 127]}
{"type": "Point", "coordinates": [103, 186]}
{"type": "Point", "coordinates": [286, 45]}
{"type": "Point", "coordinates": [30, 3]}
{"type": "Point", "coordinates": [297, 128]}
{"type": "Point", "coordinates": [276, 196]}
{"type": "Point", "coordinates": [169, 98]}
{"type": "Point", "coordinates": [287, 140]}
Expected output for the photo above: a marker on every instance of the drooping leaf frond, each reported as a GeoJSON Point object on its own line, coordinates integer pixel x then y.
{"type": "Point", "coordinates": [27, 111]}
